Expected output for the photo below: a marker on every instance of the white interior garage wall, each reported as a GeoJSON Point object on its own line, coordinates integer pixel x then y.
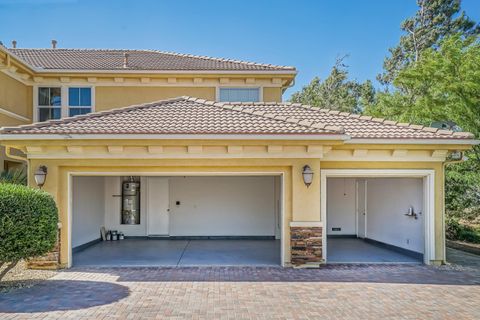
{"type": "Point", "coordinates": [210, 206]}
{"type": "Point", "coordinates": [222, 206]}
{"type": "Point", "coordinates": [87, 209]}
{"type": "Point", "coordinates": [388, 199]}
{"type": "Point", "coordinates": [341, 206]}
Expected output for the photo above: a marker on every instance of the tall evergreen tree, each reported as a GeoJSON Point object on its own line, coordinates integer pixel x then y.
{"type": "Point", "coordinates": [434, 20]}
{"type": "Point", "coordinates": [336, 92]}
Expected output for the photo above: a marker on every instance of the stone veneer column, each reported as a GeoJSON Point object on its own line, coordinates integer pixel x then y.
{"type": "Point", "coordinates": [306, 243]}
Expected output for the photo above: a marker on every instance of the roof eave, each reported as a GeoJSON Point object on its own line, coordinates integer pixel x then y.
{"type": "Point", "coordinates": [286, 71]}
{"type": "Point", "coordinates": [316, 137]}
{"type": "Point", "coordinates": [447, 141]}
{"type": "Point", "coordinates": [141, 71]}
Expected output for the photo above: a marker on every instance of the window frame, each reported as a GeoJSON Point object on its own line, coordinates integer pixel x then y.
{"type": "Point", "coordinates": [260, 91]}
{"type": "Point", "coordinates": [64, 96]}
{"type": "Point", "coordinates": [37, 101]}
{"type": "Point", "coordinates": [92, 99]}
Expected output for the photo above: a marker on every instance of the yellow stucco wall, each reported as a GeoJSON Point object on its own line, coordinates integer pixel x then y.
{"type": "Point", "coordinates": [272, 94]}
{"type": "Point", "coordinates": [15, 97]}
{"type": "Point", "coordinates": [113, 97]}
{"type": "Point", "coordinates": [18, 97]}
{"type": "Point", "coordinates": [8, 121]}
{"type": "Point", "coordinates": [58, 170]}
{"type": "Point", "coordinates": [300, 203]}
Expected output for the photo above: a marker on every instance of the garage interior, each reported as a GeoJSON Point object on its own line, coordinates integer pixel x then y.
{"type": "Point", "coordinates": [176, 220]}
{"type": "Point", "coordinates": [375, 220]}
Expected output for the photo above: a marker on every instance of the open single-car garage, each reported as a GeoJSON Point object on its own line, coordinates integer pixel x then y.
{"type": "Point", "coordinates": [176, 220]}
{"type": "Point", "coordinates": [377, 219]}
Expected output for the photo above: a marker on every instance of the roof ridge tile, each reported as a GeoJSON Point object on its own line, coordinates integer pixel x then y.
{"type": "Point", "coordinates": [446, 132]}
{"type": "Point", "coordinates": [292, 120]}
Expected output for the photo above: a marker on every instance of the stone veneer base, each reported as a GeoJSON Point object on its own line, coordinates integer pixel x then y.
{"type": "Point", "coordinates": [306, 245]}
{"type": "Point", "coordinates": [50, 261]}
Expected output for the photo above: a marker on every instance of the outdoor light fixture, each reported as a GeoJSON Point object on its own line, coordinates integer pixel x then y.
{"type": "Point", "coordinates": [40, 176]}
{"type": "Point", "coordinates": [307, 174]}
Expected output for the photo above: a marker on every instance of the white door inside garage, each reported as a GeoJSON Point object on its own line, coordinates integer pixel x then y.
{"type": "Point", "coordinates": [223, 206]}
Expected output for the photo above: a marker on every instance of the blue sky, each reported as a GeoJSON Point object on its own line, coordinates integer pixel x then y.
{"type": "Point", "coordinates": [306, 34]}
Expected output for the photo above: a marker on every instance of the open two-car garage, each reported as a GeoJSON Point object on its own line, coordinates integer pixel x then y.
{"type": "Point", "coordinates": [175, 220]}
{"type": "Point", "coordinates": [377, 218]}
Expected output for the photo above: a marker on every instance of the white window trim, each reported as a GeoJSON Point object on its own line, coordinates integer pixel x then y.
{"type": "Point", "coordinates": [64, 99]}
{"type": "Point", "coordinates": [260, 91]}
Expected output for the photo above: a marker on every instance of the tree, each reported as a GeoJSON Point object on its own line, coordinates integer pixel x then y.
{"type": "Point", "coordinates": [443, 85]}
{"type": "Point", "coordinates": [336, 92]}
{"type": "Point", "coordinates": [434, 20]}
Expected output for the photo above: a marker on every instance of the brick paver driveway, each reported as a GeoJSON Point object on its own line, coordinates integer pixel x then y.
{"type": "Point", "coordinates": [336, 291]}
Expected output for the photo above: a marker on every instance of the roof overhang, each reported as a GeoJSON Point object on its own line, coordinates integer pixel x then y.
{"type": "Point", "coordinates": [414, 141]}
{"type": "Point", "coordinates": [316, 137]}
{"type": "Point", "coordinates": [38, 70]}
{"type": "Point", "coordinates": [130, 71]}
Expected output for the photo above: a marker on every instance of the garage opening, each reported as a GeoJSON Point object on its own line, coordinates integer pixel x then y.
{"type": "Point", "coordinates": [175, 220]}
{"type": "Point", "coordinates": [375, 220]}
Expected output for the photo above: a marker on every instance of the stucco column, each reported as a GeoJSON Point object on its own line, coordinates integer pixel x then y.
{"type": "Point", "coordinates": [52, 259]}
{"type": "Point", "coordinates": [306, 200]}
{"type": "Point", "coordinates": [306, 226]}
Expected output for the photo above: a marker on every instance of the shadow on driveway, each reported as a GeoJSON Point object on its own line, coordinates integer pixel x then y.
{"type": "Point", "coordinates": [60, 295]}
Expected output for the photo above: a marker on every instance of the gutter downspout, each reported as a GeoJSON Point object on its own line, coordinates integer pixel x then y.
{"type": "Point", "coordinates": [445, 164]}
{"type": "Point", "coordinates": [289, 86]}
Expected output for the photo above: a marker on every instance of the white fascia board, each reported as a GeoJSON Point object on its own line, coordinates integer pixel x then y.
{"type": "Point", "coordinates": [414, 141]}
{"type": "Point", "coordinates": [287, 72]}
{"type": "Point", "coordinates": [173, 137]}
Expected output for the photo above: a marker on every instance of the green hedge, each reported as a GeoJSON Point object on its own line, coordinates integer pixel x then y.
{"type": "Point", "coordinates": [28, 222]}
{"type": "Point", "coordinates": [455, 230]}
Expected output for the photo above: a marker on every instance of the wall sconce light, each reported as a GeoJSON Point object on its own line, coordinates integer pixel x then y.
{"type": "Point", "coordinates": [40, 176]}
{"type": "Point", "coordinates": [307, 174]}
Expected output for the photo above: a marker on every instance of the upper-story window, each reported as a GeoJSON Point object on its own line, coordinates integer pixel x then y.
{"type": "Point", "coordinates": [79, 101]}
{"type": "Point", "coordinates": [239, 94]}
{"type": "Point", "coordinates": [59, 102]}
{"type": "Point", "coordinates": [49, 103]}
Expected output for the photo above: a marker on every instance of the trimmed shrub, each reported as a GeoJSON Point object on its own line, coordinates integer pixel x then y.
{"type": "Point", "coordinates": [28, 222]}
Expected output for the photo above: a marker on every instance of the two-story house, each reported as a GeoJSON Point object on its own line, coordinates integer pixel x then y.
{"type": "Point", "coordinates": [45, 84]}
{"type": "Point", "coordinates": [203, 154]}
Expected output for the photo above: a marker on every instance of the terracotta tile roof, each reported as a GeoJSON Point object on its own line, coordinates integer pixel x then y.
{"type": "Point", "coordinates": [187, 115]}
{"type": "Point", "coordinates": [357, 126]}
{"type": "Point", "coordinates": [107, 59]}
{"type": "Point", "coordinates": [174, 116]}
